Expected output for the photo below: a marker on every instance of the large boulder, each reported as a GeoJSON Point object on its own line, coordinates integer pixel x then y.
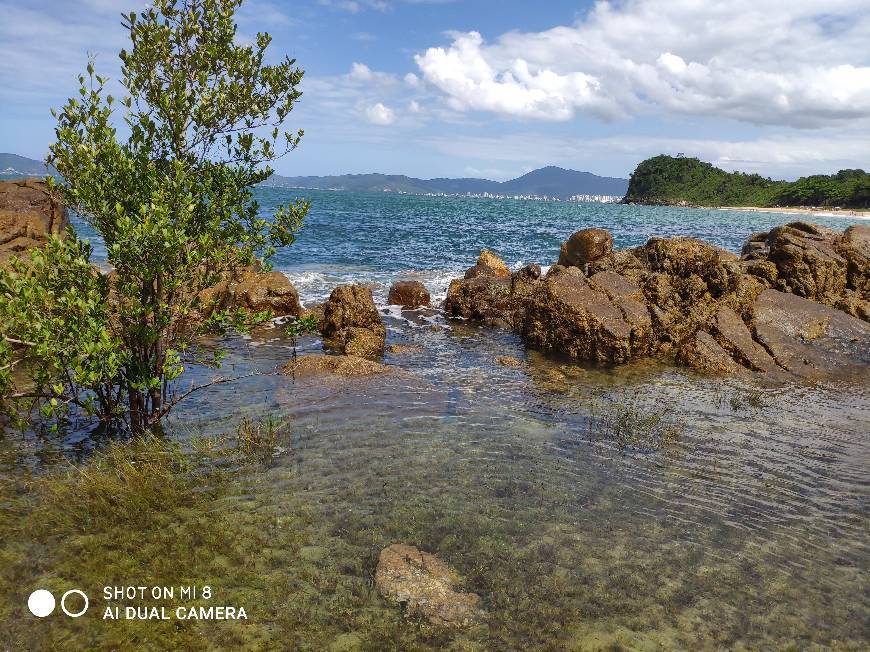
{"type": "Point", "coordinates": [571, 315]}
{"type": "Point", "coordinates": [271, 291]}
{"type": "Point", "coordinates": [481, 298]}
{"type": "Point", "coordinates": [807, 260]}
{"type": "Point", "coordinates": [408, 294]}
{"type": "Point", "coordinates": [425, 586]}
{"type": "Point", "coordinates": [28, 216]}
{"type": "Point", "coordinates": [584, 247]}
{"type": "Point", "coordinates": [351, 322]}
{"type": "Point", "coordinates": [854, 246]}
{"type": "Point", "coordinates": [253, 290]}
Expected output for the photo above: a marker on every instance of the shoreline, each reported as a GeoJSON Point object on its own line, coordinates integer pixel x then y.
{"type": "Point", "coordinates": [850, 213]}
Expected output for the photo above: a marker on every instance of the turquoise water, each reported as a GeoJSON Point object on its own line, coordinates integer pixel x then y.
{"type": "Point", "coordinates": [377, 237]}
{"type": "Point", "coordinates": [728, 515]}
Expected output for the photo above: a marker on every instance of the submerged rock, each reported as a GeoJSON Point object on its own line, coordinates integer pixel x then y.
{"type": "Point", "coordinates": [404, 349]}
{"type": "Point", "coordinates": [508, 361]}
{"type": "Point", "coordinates": [352, 324]}
{"type": "Point", "coordinates": [408, 294]}
{"type": "Point", "coordinates": [348, 366]}
{"type": "Point", "coordinates": [425, 586]}
{"type": "Point", "coordinates": [28, 216]}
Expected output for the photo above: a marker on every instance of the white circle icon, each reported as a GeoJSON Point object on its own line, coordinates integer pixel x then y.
{"type": "Point", "coordinates": [40, 603]}
{"type": "Point", "coordinates": [63, 603]}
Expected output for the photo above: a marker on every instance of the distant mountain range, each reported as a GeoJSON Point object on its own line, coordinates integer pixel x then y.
{"type": "Point", "coordinates": [26, 167]}
{"type": "Point", "coordinates": [549, 181]}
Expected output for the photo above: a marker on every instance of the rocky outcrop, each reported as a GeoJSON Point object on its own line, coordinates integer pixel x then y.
{"type": "Point", "coordinates": [28, 215]}
{"type": "Point", "coordinates": [352, 324]}
{"type": "Point", "coordinates": [809, 339]}
{"type": "Point", "coordinates": [425, 586]}
{"type": "Point", "coordinates": [816, 263]}
{"type": "Point", "coordinates": [571, 314]}
{"type": "Point", "coordinates": [791, 305]}
{"type": "Point", "coordinates": [408, 294]}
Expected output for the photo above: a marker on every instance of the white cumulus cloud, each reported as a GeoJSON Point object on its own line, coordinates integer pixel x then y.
{"type": "Point", "coordinates": [378, 114]}
{"type": "Point", "coordinates": [773, 62]}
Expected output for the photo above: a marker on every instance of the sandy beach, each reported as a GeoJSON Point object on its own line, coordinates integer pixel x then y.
{"type": "Point", "coordinates": [850, 213]}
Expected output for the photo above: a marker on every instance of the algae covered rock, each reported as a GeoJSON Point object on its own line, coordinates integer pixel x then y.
{"type": "Point", "coordinates": [351, 322]}
{"type": "Point", "coordinates": [807, 260]}
{"type": "Point", "coordinates": [482, 298]}
{"type": "Point", "coordinates": [425, 586]}
{"type": "Point", "coordinates": [570, 315]}
{"type": "Point", "coordinates": [347, 366]}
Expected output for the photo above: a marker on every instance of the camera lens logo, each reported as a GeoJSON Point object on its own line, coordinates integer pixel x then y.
{"type": "Point", "coordinates": [41, 603]}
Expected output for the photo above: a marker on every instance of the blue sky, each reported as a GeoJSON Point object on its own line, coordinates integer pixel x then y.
{"type": "Point", "coordinates": [497, 88]}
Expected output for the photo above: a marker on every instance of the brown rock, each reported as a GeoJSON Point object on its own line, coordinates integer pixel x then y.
{"type": "Point", "coordinates": [756, 247]}
{"type": "Point", "coordinates": [568, 315]}
{"type": "Point", "coordinates": [363, 342]}
{"type": "Point", "coordinates": [349, 312]}
{"type": "Point", "coordinates": [584, 247]}
{"type": "Point", "coordinates": [704, 353]}
{"type": "Point", "coordinates": [347, 366]}
{"type": "Point", "coordinates": [809, 339]}
{"type": "Point", "coordinates": [267, 291]}
{"type": "Point", "coordinates": [425, 585]}
{"type": "Point", "coordinates": [488, 264]}
{"type": "Point", "coordinates": [483, 298]}
{"type": "Point", "coordinates": [408, 294]}
{"type": "Point", "coordinates": [686, 258]}
{"type": "Point", "coordinates": [854, 246]}
{"type": "Point", "coordinates": [735, 338]}
{"type": "Point", "coordinates": [509, 361]}
{"type": "Point", "coordinates": [807, 261]}
{"type": "Point", "coordinates": [28, 215]}
{"type": "Point", "coordinates": [630, 300]}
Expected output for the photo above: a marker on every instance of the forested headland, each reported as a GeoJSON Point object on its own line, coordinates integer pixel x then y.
{"type": "Point", "coordinates": [689, 181]}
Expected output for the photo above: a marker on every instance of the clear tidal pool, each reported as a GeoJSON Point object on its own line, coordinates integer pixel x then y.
{"type": "Point", "coordinates": [641, 507]}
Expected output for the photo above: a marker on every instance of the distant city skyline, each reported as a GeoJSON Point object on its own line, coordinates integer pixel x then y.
{"type": "Point", "coordinates": [434, 88]}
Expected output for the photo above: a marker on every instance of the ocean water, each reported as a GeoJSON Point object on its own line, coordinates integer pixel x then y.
{"type": "Point", "coordinates": [376, 238]}
{"type": "Point", "coordinates": [639, 507]}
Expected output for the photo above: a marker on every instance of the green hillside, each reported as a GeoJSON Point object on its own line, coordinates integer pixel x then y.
{"type": "Point", "coordinates": [678, 180]}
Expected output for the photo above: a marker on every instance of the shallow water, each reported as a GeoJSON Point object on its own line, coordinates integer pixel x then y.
{"type": "Point", "coordinates": [637, 507]}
